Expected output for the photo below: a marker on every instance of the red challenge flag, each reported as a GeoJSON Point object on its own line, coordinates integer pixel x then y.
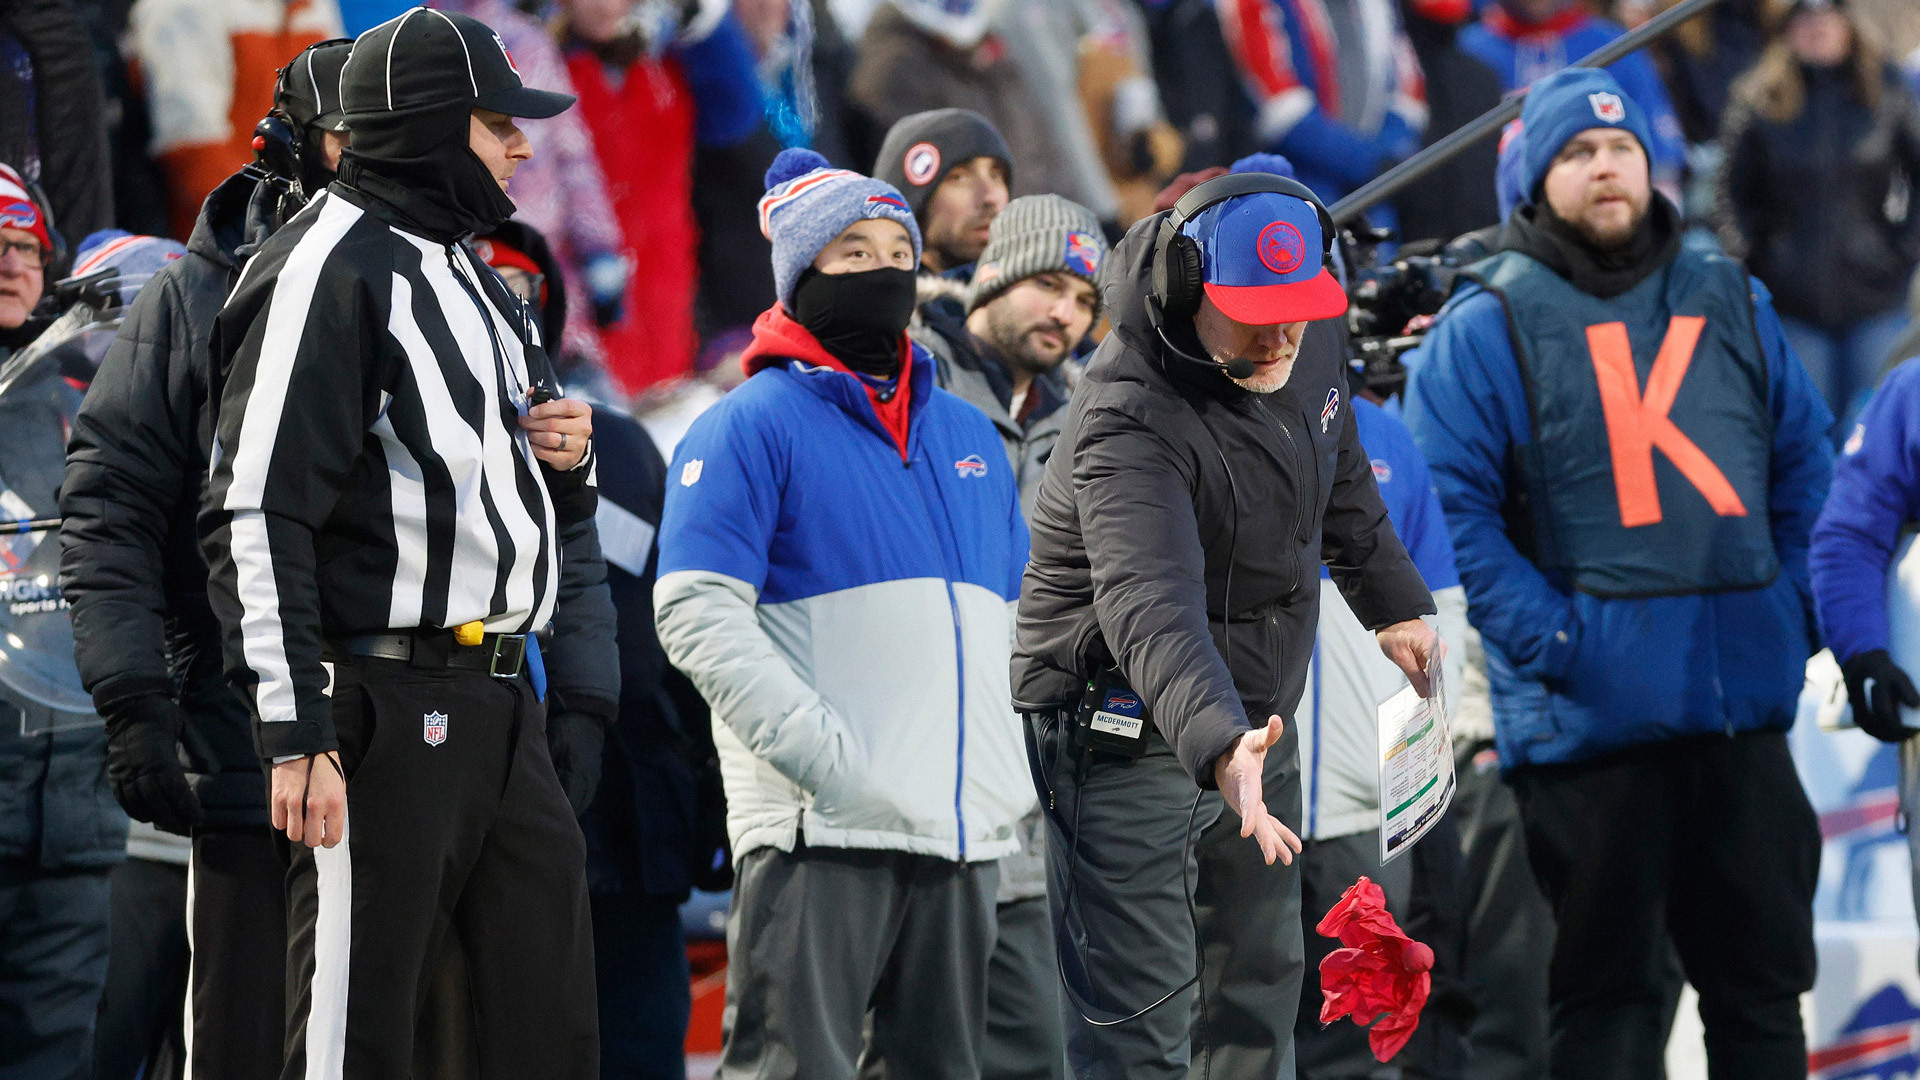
{"type": "Point", "coordinates": [1380, 975]}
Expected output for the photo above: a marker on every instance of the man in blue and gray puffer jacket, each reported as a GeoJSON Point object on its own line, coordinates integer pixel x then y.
{"type": "Point", "coordinates": [841, 543]}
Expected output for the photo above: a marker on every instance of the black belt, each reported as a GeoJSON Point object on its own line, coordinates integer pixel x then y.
{"type": "Point", "coordinates": [501, 655]}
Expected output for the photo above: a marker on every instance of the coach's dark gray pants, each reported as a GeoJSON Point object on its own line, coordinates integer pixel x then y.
{"type": "Point", "coordinates": [818, 936]}
{"type": "Point", "coordinates": [1115, 834]}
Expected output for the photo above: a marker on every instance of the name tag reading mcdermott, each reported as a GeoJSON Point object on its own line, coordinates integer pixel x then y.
{"type": "Point", "coordinates": [1120, 713]}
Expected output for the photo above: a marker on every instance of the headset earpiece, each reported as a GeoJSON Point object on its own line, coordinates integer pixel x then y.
{"type": "Point", "coordinates": [1177, 273]}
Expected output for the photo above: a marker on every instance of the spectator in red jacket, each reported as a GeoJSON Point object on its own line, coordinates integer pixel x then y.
{"type": "Point", "coordinates": [648, 95]}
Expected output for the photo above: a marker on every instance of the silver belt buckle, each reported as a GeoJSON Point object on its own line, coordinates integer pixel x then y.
{"type": "Point", "coordinates": [509, 655]}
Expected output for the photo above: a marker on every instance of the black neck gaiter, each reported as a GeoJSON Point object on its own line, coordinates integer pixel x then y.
{"type": "Point", "coordinates": [857, 317]}
{"type": "Point", "coordinates": [419, 164]}
{"type": "Point", "coordinates": [1537, 231]}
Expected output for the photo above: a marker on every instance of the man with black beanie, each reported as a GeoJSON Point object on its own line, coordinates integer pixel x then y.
{"type": "Point", "coordinates": [955, 171]}
{"type": "Point", "coordinates": [391, 473]}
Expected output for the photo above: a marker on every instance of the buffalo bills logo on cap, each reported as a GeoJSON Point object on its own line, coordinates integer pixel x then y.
{"type": "Point", "coordinates": [19, 214]}
{"type": "Point", "coordinates": [1083, 254]}
{"type": "Point", "coordinates": [505, 53]}
{"type": "Point", "coordinates": [888, 198]}
{"type": "Point", "coordinates": [1281, 247]}
{"type": "Point", "coordinates": [1608, 106]}
{"type": "Point", "coordinates": [921, 164]}
{"type": "Point", "coordinates": [973, 465]}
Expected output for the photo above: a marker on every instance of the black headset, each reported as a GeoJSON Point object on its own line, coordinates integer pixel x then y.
{"type": "Point", "coordinates": [1177, 276]}
{"type": "Point", "coordinates": [281, 151]}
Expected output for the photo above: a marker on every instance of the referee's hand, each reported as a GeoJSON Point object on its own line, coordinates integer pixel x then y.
{"type": "Point", "coordinates": [559, 431]}
{"type": "Point", "coordinates": [309, 802]}
{"type": "Point", "coordinates": [1237, 773]}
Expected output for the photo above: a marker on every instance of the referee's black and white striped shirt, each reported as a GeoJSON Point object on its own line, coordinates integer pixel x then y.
{"type": "Point", "coordinates": [369, 472]}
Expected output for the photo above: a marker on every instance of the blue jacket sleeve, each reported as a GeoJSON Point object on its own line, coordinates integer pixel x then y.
{"type": "Point", "coordinates": [1467, 409]}
{"type": "Point", "coordinates": [1876, 489]}
{"type": "Point", "coordinates": [726, 89]}
{"type": "Point", "coordinates": [1802, 460]}
{"type": "Point", "coordinates": [723, 494]}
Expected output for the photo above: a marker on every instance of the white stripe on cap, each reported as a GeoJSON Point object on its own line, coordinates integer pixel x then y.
{"type": "Point", "coordinates": [319, 102]}
{"type": "Point", "coordinates": [462, 39]}
{"type": "Point", "coordinates": [411, 12]}
{"type": "Point", "coordinates": [771, 201]}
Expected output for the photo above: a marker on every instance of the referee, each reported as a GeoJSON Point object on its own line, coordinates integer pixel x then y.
{"type": "Point", "coordinates": [389, 476]}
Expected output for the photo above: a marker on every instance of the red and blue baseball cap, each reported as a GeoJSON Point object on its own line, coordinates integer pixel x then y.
{"type": "Point", "coordinates": [1261, 260]}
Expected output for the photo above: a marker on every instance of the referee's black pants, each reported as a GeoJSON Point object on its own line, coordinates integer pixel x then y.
{"type": "Point", "coordinates": [469, 836]}
{"type": "Point", "coordinates": [1710, 840]}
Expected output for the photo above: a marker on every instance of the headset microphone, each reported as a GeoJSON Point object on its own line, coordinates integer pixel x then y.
{"type": "Point", "coordinates": [1239, 367]}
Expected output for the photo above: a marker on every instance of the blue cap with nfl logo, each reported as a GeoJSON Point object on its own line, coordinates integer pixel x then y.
{"type": "Point", "coordinates": [1568, 102]}
{"type": "Point", "coordinates": [1260, 257]}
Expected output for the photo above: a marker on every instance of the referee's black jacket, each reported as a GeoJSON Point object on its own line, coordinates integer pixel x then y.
{"type": "Point", "coordinates": [1135, 529]}
{"type": "Point", "coordinates": [368, 470]}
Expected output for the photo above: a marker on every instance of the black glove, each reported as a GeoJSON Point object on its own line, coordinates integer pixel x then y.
{"type": "Point", "coordinates": [1877, 688]}
{"type": "Point", "coordinates": [143, 762]}
{"type": "Point", "coordinates": [576, 740]}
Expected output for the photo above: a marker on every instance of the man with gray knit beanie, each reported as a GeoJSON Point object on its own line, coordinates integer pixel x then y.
{"type": "Point", "coordinates": [1031, 301]}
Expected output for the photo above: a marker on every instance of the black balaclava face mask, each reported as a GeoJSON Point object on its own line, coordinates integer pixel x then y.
{"type": "Point", "coordinates": [857, 317]}
{"type": "Point", "coordinates": [419, 162]}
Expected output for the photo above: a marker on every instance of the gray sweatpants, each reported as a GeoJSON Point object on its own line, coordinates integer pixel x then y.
{"type": "Point", "coordinates": [818, 936]}
{"type": "Point", "coordinates": [1115, 834]}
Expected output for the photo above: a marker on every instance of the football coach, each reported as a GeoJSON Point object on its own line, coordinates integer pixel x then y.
{"type": "Point", "coordinates": [1208, 467]}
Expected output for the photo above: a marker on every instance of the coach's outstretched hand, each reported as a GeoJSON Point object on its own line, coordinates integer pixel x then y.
{"type": "Point", "coordinates": [310, 799]}
{"type": "Point", "coordinates": [1237, 773]}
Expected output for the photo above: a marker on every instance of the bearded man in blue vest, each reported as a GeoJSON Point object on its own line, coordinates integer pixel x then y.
{"type": "Point", "coordinates": [1631, 462]}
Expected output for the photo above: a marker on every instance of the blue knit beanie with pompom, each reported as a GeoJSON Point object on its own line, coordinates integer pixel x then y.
{"type": "Point", "coordinates": [809, 202]}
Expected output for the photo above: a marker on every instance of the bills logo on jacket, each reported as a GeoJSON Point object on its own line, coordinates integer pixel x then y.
{"type": "Point", "coordinates": [1881, 1041]}
{"type": "Point", "coordinates": [971, 466]}
{"type": "Point", "coordinates": [1330, 410]}
{"type": "Point", "coordinates": [434, 728]}
{"type": "Point", "coordinates": [1083, 255]}
{"type": "Point", "coordinates": [1608, 106]}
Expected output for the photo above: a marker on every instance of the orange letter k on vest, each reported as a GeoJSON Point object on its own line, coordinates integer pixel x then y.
{"type": "Point", "coordinates": [1636, 424]}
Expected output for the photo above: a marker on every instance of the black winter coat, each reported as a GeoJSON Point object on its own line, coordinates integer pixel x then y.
{"type": "Point", "coordinates": [1139, 524]}
{"type": "Point", "coordinates": [130, 558]}
{"type": "Point", "coordinates": [659, 821]}
{"type": "Point", "coordinates": [1807, 202]}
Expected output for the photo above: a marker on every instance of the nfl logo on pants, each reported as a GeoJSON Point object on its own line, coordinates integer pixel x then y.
{"type": "Point", "coordinates": [435, 728]}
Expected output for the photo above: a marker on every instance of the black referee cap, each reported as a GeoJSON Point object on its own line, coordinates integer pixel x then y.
{"type": "Point", "coordinates": [425, 57]}
{"type": "Point", "coordinates": [309, 88]}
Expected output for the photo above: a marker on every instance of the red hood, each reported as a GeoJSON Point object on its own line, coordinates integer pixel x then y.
{"type": "Point", "coordinates": [778, 338]}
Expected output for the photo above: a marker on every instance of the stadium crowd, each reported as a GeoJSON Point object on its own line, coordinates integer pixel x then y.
{"type": "Point", "coordinates": [739, 434]}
